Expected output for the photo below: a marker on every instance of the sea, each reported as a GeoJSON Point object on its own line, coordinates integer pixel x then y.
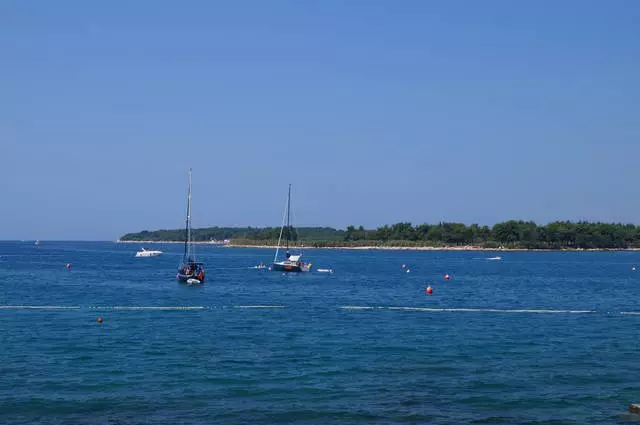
{"type": "Point", "coordinates": [535, 338]}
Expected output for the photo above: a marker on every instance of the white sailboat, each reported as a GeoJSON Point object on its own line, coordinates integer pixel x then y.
{"type": "Point", "coordinates": [291, 262]}
{"type": "Point", "coordinates": [190, 271]}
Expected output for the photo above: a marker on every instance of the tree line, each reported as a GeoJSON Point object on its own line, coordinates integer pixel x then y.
{"type": "Point", "coordinates": [508, 234]}
{"type": "Point", "coordinates": [255, 234]}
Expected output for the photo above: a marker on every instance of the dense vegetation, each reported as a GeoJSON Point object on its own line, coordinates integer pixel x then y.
{"type": "Point", "coordinates": [308, 234]}
{"type": "Point", "coordinates": [509, 234]}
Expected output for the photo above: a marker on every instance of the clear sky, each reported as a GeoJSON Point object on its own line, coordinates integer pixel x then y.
{"type": "Point", "coordinates": [376, 111]}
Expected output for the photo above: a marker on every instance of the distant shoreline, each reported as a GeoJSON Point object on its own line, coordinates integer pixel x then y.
{"type": "Point", "coordinates": [401, 248]}
{"type": "Point", "coordinates": [171, 242]}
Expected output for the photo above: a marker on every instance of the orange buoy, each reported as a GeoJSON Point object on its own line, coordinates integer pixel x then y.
{"type": "Point", "coordinates": [99, 319]}
{"type": "Point", "coordinates": [447, 277]}
{"type": "Point", "coordinates": [428, 290]}
{"type": "Point", "coordinates": [68, 265]}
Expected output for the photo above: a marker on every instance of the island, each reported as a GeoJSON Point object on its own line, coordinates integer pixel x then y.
{"type": "Point", "coordinates": [509, 235]}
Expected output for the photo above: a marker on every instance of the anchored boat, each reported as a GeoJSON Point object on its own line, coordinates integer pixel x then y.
{"type": "Point", "coordinates": [148, 253]}
{"type": "Point", "coordinates": [190, 271]}
{"type": "Point", "coordinates": [292, 261]}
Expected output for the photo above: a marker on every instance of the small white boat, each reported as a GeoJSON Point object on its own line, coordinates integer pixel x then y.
{"type": "Point", "coordinates": [325, 270]}
{"type": "Point", "coordinates": [494, 259]}
{"type": "Point", "coordinates": [145, 253]}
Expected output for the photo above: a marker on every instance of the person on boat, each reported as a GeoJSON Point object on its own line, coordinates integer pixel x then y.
{"type": "Point", "coordinates": [287, 255]}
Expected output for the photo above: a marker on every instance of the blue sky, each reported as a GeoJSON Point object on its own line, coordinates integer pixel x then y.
{"type": "Point", "coordinates": [376, 111]}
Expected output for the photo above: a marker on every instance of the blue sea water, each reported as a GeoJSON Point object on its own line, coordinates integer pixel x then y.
{"type": "Point", "coordinates": [313, 361]}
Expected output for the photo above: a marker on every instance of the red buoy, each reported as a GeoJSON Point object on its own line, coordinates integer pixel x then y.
{"type": "Point", "coordinates": [68, 265]}
{"type": "Point", "coordinates": [429, 290]}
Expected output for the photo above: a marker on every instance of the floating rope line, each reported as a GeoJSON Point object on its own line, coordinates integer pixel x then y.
{"type": "Point", "coordinates": [259, 306]}
{"type": "Point", "coordinates": [39, 307]}
{"type": "Point", "coordinates": [117, 307]}
{"type": "Point", "coordinates": [344, 307]}
{"type": "Point", "coordinates": [461, 310]}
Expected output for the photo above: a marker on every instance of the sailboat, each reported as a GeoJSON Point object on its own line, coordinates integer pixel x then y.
{"type": "Point", "coordinates": [291, 262]}
{"type": "Point", "coordinates": [190, 271]}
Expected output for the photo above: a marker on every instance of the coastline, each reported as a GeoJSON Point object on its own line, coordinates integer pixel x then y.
{"type": "Point", "coordinates": [169, 242]}
{"type": "Point", "coordinates": [399, 248]}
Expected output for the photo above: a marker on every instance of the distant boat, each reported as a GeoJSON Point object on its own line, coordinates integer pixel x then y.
{"type": "Point", "coordinates": [291, 262]}
{"type": "Point", "coordinates": [494, 258]}
{"type": "Point", "coordinates": [190, 271]}
{"type": "Point", "coordinates": [37, 243]}
{"type": "Point", "coordinates": [144, 253]}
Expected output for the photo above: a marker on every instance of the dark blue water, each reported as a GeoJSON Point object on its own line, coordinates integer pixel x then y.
{"type": "Point", "coordinates": [314, 362]}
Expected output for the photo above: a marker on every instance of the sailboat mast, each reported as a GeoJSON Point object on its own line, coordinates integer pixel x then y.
{"type": "Point", "coordinates": [284, 218]}
{"type": "Point", "coordinates": [187, 239]}
{"type": "Point", "coordinates": [288, 217]}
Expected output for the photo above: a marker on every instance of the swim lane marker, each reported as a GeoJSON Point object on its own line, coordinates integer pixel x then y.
{"type": "Point", "coordinates": [133, 307]}
{"type": "Point", "coordinates": [344, 307]}
{"type": "Point", "coordinates": [39, 307]}
{"type": "Point", "coordinates": [461, 310]}
{"type": "Point", "coordinates": [259, 306]}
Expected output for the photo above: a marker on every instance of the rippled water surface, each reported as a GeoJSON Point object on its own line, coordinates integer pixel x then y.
{"type": "Point", "coordinates": [363, 345]}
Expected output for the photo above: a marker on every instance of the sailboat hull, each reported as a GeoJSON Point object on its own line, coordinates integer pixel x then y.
{"type": "Point", "coordinates": [190, 279]}
{"type": "Point", "coordinates": [291, 268]}
{"type": "Point", "coordinates": [191, 273]}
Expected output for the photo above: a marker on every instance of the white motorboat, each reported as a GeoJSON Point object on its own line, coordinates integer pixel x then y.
{"type": "Point", "coordinates": [144, 253]}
